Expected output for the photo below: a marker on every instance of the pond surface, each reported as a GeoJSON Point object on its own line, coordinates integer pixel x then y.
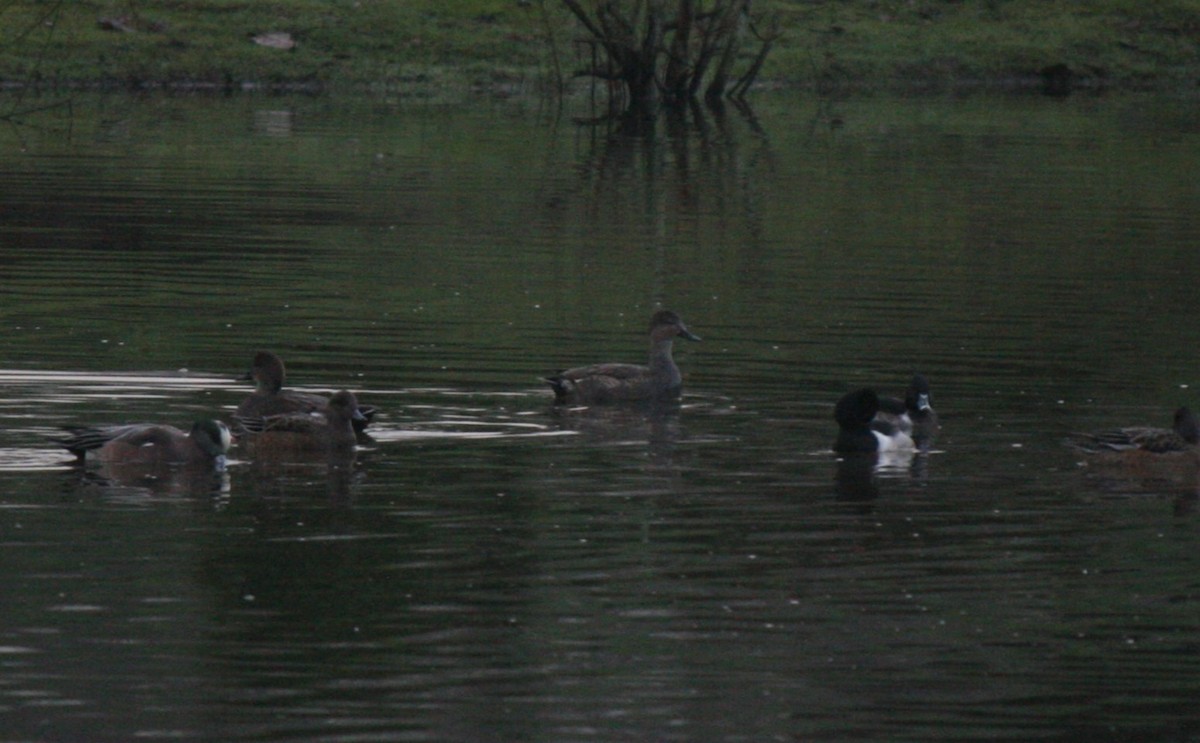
{"type": "Point", "coordinates": [494, 569]}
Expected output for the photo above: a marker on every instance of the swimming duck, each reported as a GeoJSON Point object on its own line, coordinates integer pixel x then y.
{"type": "Point", "coordinates": [860, 430]}
{"type": "Point", "coordinates": [613, 382]}
{"type": "Point", "coordinates": [914, 414]}
{"type": "Point", "coordinates": [297, 434]}
{"type": "Point", "coordinates": [1182, 436]}
{"type": "Point", "coordinates": [150, 444]}
{"type": "Point", "coordinates": [270, 399]}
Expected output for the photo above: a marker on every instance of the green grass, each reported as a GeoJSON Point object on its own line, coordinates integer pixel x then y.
{"type": "Point", "coordinates": [425, 45]}
{"type": "Point", "coordinates": [180, 42]}
{"type": "Point", "coordinates": [1121, 43]}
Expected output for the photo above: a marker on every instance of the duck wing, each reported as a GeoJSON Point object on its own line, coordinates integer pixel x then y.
{"type": "Point", "coordinates": [294, 423]}
{"type": "Point", "coordinates": [616, 372]}
{"type": "Point", "coordinates": [1155, 440]}
{"type": "Point", "coordinates": [281, 403]}
{"type": "Point", "coordinates": [597, 382]}
{"type": "Point", "coordinates": [82, 439]}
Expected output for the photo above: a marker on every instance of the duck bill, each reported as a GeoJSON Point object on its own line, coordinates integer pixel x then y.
{"type": "Point", "coordinates": [684, 332]}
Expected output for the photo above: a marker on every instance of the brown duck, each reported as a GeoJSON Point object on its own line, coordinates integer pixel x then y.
{"type": "Point", "coordinates": [614, 383]}
{"type": "Point", "coordinates": [301, 434]}
{"type": "Point", "coordinates": [1182, 436]}
{"type": "Point", "coordinates": [270, 399]}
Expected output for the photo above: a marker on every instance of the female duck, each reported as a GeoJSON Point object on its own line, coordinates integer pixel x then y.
{"type": "Point", "coordinates": [860, 430]}
{"type": "Point", "coordinates": [270, 399]}
{"type": "Point", "coordinates": [304, 434]}
{"type": "Point", "coordinates": [1182, 436]}
{"type": "Point", "coordinates": [148, 444]}
{"type": "Point", "coordinates": [613, 382]}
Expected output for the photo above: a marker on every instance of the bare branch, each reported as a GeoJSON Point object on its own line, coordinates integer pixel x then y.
{"type": "Point", "coordinates": [692, 40]}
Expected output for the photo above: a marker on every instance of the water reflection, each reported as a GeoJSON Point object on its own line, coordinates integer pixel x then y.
{"type": "Point", "coordinates": [1121, 476]}
{"type": "Point", "coordinates": [864, 476]}
{"type": "Point", "coordinates": [653, 429]}
{"type": "Point", "coordinates": [653, 168]}
{"type": "Point", "coordinates": [140, 483]}
{"type": "Point", "coordinates": [332, 476]}
{"type": "Point", "coordinates": [490, 566]}
{"type": "Point", "coordinates": [856, 477]}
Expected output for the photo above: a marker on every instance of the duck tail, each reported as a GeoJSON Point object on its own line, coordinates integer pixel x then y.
{"type": "Point", "coordinates": [1096, 443]}
{"type": "Point", "coordinates": [78, 440]}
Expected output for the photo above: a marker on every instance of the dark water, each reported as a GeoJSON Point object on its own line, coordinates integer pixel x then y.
{"type": "Point", "coordinates": [493, 569]}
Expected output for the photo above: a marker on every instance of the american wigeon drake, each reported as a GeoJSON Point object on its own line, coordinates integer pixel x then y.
{"type": "Point", "coordinates": [150, 444]}
{"type": "Point", "coordinates": [1182, 436]}
{"type": "Point", "coordinates": [613, 382]}
{"type": "Point", "coordinates": [914, 414]}
{"type": "Point", "coordinates": [269, 398]}
{"type": "Point", "coordinates": [302, 434]}
{"type": "Point", "coordinates": [860, 431]}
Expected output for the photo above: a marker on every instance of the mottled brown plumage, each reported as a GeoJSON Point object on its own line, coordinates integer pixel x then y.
{"type": "Point", "coordinates": [302, 434]}
{"type": "Point", "coordinates": [1181, 437]}
{"type": "Point", "coordinates": [270, 399]}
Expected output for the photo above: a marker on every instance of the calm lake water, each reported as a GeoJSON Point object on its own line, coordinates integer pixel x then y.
{"type": "Point", "coordinates": [492, 569]}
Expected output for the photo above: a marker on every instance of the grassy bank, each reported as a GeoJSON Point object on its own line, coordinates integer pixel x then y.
{"type": "Point", "coordinates": [422, 46]}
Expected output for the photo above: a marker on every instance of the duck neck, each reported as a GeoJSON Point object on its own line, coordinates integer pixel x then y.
{"type": "Point", "coordinates": [340, 423]}
{"type": "Point", "coordinates": [264, 386]}
{"type": "Point", "coordinates": [661, 363]}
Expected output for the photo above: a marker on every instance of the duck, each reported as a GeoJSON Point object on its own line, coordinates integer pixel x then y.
{"type": "Point", "coordinates": [270, 399]}
{"type": "Point", "coordinates": [1182, 436]}
{"type": "Point", "coordinates": [860, 430]}
{"type": "Point", "coordinates": [150, 444]}
{"type": "Point", "coordinates": [330, 430]}
{"type": "Point", "coordinates": [914, 414]}
{"type": "Point", "coordinates": [599, 384]}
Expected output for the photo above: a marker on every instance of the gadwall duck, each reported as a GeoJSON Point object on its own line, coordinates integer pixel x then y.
{"type": "Point", "coordinates": [613, 382]}
{"type": "Point", "coordinates": [914, 414]}
{"type": "Point", "coordinates": [150, 444]}
{"type": "Point", "coordinates": [270, 399]}
{"type": "Point", "coordinates": [300, 434]}
{"type": "Point", "coordinates": [1182, 436]}
{"type": "Point", "coordinates": [860, 431]}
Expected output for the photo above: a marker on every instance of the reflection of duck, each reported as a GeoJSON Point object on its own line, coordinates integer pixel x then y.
{"type": "Point", "coordinates": [854, 479]}
{"type": "Point", "coordinates": [149, 444]}
{"type": "Point", "coordinates": [914, 414]}
{"type": "Point", "coordinates": [610, 383]}
{"type": "Point", "coordinates": [655, 425]}
{"type": "Point", "coordinates": [860, 430]}
{"type": "Point", "coordinates": [270, 399]}
{"type": "Point", "coordinates": [122, 480]}
{"type": "Point", "coordinates": [306, 434]}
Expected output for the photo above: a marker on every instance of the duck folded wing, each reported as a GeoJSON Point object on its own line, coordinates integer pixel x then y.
{"type": "Point", "coordinates": [601, 372]}
{"type": "Point", "coordinates": [1156, 440]}
{"type": "Point", "coordinates": [600, 382]}
{"type": "Point", "coordinates": [310, 423]}
{"type": "Point", "coordinates": [83, 439]}
{"type": "Point", "coordinates": [302, 423]}
{"type": "Point", "coordinates": [282, 403]}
